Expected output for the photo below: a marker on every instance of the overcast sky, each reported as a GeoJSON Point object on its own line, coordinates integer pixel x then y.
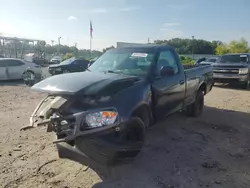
{"type": "Point", "coordinates": [125, 20]}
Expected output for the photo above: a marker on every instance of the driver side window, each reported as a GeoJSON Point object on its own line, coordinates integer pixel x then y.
{"type": "Point", "coordinates": [167, 58]}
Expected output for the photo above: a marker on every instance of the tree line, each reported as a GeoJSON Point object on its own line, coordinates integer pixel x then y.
{"type": "Point", "coordinates": [191, 46]}
{"type": "Point", "coordinates": [233, 47]}
{"type": "Point", "coordinates": [182, 46]}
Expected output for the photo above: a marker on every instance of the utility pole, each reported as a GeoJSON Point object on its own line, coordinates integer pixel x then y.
{"type": "Point", "coordinates": [58, 49]}
{"type": "Point", "coordinates": [76, 50]}
{"type": "Point", "coordinates": [193, 47]}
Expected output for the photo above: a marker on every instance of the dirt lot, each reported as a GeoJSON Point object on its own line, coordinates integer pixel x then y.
{"type": "Point", "coordinates": [210, 151]}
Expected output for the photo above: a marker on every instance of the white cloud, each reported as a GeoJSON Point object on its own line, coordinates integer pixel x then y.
{"type": "Point", "coordinates": [171, 24]}
{"type": "Point", "coordinates": [98, 10]}
{"type": "Point", "coordinates": [106, 10]}
{"type": "Point", "coordinates": [72, 18]}
{"type": "Point", "coordinates": [127, 9]}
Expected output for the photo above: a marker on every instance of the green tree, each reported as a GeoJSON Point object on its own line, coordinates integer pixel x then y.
{"type": "Point", "coordinates": [187, 46]}
{"type": "Point", "coordinates": [238, 46]}
{"type": "Point", "coordinates": [67, 56]}
{"type": "Point", "coordinates": [108, 48]}
{"type": "Point", "coordinates": [222, 49]}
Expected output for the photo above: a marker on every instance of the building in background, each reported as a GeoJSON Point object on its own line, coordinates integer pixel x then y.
{"type": "Point", "coordinates": [127, 44]}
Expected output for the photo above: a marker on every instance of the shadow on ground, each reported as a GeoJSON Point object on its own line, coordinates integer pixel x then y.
{"type": "Point", "coordinates": [12, 83]}
{"type": "Point", "coordinates": [209, 151]}
{"type": "Point", "coordinates": [233, 86]}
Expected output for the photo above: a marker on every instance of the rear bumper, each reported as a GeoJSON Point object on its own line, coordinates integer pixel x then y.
{"type": "Point", "coordinates": [230, 77]}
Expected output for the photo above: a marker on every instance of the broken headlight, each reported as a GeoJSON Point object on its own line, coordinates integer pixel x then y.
{"type": "Point", "coordinates": [101, 118]}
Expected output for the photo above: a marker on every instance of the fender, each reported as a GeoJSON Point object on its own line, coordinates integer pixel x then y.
{"type": "Point", "coordinates": [146, 105]}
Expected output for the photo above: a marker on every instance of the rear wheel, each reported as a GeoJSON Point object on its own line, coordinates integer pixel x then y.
{"type": "Point", "coordinates": [195, 109]}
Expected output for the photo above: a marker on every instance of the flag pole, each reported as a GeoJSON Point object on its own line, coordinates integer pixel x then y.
{"type": "Point", "coordinates": [90, 38]}
{"type": "Point", "coordinates": [90, 45]}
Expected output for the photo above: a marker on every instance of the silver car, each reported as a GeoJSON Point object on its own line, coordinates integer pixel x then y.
{"type": "Point", "coordinates": [14, 69]}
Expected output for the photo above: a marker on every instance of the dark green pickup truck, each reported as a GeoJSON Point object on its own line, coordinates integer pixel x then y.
{"type": "Point", "coordinates": [101, 115]}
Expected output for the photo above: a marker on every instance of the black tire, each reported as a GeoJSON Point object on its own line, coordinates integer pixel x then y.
{"type": "Point", "coordinates": [134, 133]}
{"type": "Point", "coordinates": [246, 85]}
{"type": "Point", "coordinates": [29, 78]}
{"type": "Point", "coordinates": [195, 109]}
{"type": "Point", "coordinates": [144, 114]}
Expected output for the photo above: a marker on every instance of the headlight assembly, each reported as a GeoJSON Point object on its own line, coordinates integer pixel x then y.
{"type": "Point", "coordinates": [101, 118]}
{"type": "Point", "coordinates": [243, 71]}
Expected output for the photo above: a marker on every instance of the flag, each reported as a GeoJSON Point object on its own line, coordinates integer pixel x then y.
{"type": "Point", "coordinates": [91, 30]}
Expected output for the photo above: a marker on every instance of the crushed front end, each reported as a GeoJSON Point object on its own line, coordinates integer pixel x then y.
{"type": "Point", "coordinates": [88, 133]}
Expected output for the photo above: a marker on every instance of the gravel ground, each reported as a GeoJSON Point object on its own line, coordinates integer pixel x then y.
{"type": "Point", "coordinates": [182, 152]}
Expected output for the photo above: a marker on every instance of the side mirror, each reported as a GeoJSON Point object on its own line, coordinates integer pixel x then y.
{"type": "Point", "coordinates": [166, 71]}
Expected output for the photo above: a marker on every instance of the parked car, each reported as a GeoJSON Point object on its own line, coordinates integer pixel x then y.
{"type": "Point", "coordinates": [233, 68]}
{"type": "Point", "coordinates": [55, 60]}
{"type": "Point", "coordinates": [91, 61]}
{"type": "Point", "coordinates": [70, 65]}
{"type": "Point", "coordinates": [101, 114]}
{"type": "Point", "coordinates": [14, 69]}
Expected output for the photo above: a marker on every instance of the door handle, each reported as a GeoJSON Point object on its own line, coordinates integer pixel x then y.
{"type": "Point", "coordinates": [181, 82]}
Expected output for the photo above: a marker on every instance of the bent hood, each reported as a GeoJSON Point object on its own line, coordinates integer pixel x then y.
{"type": "Point", "coordinates": [86, 83]}
{"type": "Point", "coordinates": [54, 66]}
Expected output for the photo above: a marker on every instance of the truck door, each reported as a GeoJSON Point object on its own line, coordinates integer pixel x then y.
{"type": "Point", "coordinates": [169, 91]}
{"type": "Point", "coordinates": [3, 70]}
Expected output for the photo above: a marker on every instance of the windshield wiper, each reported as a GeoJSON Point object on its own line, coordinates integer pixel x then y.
{"type": "Point", "coordinates": [114, 71]}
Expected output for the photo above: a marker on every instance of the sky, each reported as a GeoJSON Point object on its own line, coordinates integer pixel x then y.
{"type": "Point", "coordinates": [124, 20]}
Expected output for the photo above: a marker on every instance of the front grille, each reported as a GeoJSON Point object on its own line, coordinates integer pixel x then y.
{"type": "Point", "coordinates": [226, 71]}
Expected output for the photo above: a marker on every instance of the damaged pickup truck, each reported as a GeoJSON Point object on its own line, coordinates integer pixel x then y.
{"type": "Point", "coordinates": [102, 114]}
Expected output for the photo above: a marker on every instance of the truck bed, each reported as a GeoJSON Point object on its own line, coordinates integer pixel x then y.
{"type": "Point", "coordinates": [194, 77]}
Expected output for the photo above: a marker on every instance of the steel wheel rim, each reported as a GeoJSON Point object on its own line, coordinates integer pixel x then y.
{"type": "Point", "coordinates": [28, 76]}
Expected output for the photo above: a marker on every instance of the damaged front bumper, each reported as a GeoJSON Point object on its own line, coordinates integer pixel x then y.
{"type": "Point", "coordinates": [108, 145]}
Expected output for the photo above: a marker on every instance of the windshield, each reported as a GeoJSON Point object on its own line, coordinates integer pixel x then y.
{"type": "Point", "coordinates": [234, 58]}
{"type": "Point", "coordinates": [126, 61]}
{"type": "Point", "coordinates": [67, 61]}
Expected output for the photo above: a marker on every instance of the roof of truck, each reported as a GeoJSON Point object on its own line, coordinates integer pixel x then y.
{"type": "Point", "coordinates": [148, 46]}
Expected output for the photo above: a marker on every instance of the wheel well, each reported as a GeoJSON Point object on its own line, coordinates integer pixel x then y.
{"type": "Point", "coordinates": [203, 88]}
{"type": "Point", "coordinates": [28, 70]}
{"type": "Point", "coordinates": [144, 113]}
